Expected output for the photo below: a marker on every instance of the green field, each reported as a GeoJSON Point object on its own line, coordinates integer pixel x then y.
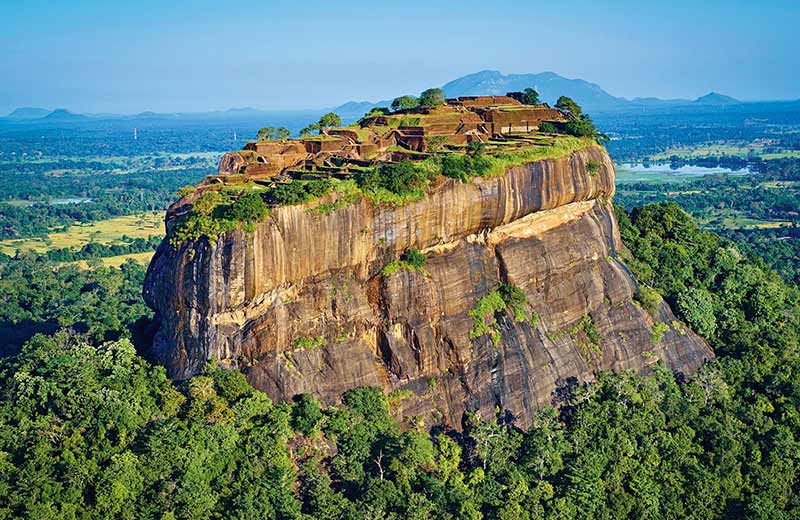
{"type": "Point", "coordinates": [106, 232]}
{"type": "Point", "coordinates": [742, 149]}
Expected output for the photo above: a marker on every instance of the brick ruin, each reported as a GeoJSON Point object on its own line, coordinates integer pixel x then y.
{"type": "Point", "coordinates": [407, 134]}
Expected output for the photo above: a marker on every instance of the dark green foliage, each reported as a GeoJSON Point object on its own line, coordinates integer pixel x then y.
{"type": "Point", "coordinates": [528, 96]}
{"type": "Point", "coordinates": [41, 296]}
{"type": "Point", "coordinates": [431, 98]}
{"type": "Point", "coordinates": [330, 120]}
{"type": "Point", "coordinates": [546, 127]}
{"type": "Point", "coordinates": [306, 414]}
{"type": "Point", "coordinates": [296, 191]}
{"type": "Point", "coordinates": [581, 127]}
{"type": "Point", "coordinates": [462, 167]}
{"type": "Point", "coordinates": [404, 103]}
{"type": "Point", "coordinates": [96, 432]}
{"type": "Point", "coordinates": [401, 178]}
{"type": "Point", "coordinates": [414, 258]}
{"type": "Point", "coordinates": [248, 208]}
{"type": "Point", "coordinates": [568, 105]}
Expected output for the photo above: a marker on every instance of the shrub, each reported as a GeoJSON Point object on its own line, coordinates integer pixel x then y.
{"type": "Point", "coordinates": [186, 191]}
{"type": "Point", "coordinates": [402, 179]}
{"type": "Point", "coordinates": [297, 191]}
{"type": "Point", "coordinates": [581, 127]}
{"type": "Point", "coordinates": [463, 167]}
{"type": "Point", "coordinates": [649, 298]}
{"type": "Point", "coordinates": [248, 208]}
{"type": "Point", "coordinates": [659, 331]}
{"type": "Point", "coordinates": [546, 127]}
{"type": "Point", "coordinates": [411, 260]}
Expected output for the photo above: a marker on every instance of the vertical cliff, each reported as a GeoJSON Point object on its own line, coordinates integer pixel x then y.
{"type": "Point", "coordinates": [300, 304]}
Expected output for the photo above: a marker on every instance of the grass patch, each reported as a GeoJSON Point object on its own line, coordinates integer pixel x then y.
{"type": "Point", "coordinates": [506, 297]}
{"type": "Point", "coordinates": [309, 343]}
{"type": "Point", "coordinates": [105, 232]}
{"type": "Point", "coordinates": [411, 260]}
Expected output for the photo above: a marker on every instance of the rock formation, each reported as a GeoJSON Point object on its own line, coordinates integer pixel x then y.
{"type": "Point", "coordinates": [300, 304]}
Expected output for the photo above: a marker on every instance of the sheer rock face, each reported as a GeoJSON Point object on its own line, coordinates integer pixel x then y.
{"type": "Point", "coordinates": [254, 301]}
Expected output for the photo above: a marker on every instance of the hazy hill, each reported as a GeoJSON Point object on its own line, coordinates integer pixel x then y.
{"type": "Point", "coordinates": [28, 113]}
{"type": "Point", "coordinates": [715, 98]}
{"type": "Point", "coordinates": [549, 85]}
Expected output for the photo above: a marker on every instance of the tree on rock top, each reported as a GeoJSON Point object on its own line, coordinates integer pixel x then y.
{"type": "Point", "coordinates": [431, 98]}
{"type": "Point", "coordinates": [405, 103]}
{"type": "Point", "coordinates": [269, 133]}
{"type": "Point", "coordinates": [528, 96]}
{"type": "Point", "coordinates": [567, 104]}
{"type": "Point", "coordinates": [329, 120]}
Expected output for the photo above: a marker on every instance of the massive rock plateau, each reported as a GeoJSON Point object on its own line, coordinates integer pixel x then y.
{"type": "Point", "coordinates": [300, 304]}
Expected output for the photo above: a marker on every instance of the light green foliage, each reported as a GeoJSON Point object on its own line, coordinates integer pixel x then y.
{"type": "Point", "coordinates": [309, 343]}
{"type": "Point", "coordinates": [431, 98]}
{"type": "Point", "coordinates": [185, 191]}
{"type": "Point", "coordinates": [696, 305]}
{"type": "Point", "coordinates": [483, 313]}
{"type": "Point", "coordinates": [659, 331]}
{"type": "Point", "coordinates": [215, 213]}
{"type": "Point", "coordinates": [593, 167]}
{"type": "Point", "coordinates": [650, 299]}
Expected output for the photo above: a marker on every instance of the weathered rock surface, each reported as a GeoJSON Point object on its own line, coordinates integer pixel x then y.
{"type": "Point", "coordinates": [546, 227]}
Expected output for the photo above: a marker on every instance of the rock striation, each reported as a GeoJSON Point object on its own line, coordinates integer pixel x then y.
{"type": "Point", "coordinates": [300, 304]}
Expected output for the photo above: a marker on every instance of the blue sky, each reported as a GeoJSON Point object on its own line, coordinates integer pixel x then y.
{"type": "Point", "coordinates": [102, 56]}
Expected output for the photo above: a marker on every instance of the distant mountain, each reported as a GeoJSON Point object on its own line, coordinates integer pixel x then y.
{"type": "Point", "coordinates": [356, 109]}
{"type": "Point", "coordinates": [549, 85]}
{"type": "Point", "coordinates": [62, 114]}
{"type": "Point", "coordinates": [715, 98]}
{"type": "Point", "coordinates": [28, 113]}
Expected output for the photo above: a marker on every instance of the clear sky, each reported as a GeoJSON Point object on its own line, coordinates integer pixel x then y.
{"type": "Point", "coordinates": [116, 56]}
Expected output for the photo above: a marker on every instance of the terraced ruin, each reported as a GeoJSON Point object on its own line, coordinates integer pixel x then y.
{"type": "Point", "coordinates": [501, 123]}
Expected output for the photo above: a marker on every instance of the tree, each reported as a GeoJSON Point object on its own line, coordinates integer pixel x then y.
{"type": "Point", "coordinates": [310, 129]}
{"type": "Point", "coordinates": [266, 134]}
{"type": "Point", "coordinates": [269, 133]}
{"type": "Point", "coordinates": [528, 96]}
{"type": "Point", "coordinates": [405, 103]}
{"type": "Point", "coordinates": [581, 126]}
{"type": "Point", "coordinates": [431, 98]}
{"type": "Point", "coordinates": [567, 104]}
{"type": "Point", "coordinates": [329, 120]}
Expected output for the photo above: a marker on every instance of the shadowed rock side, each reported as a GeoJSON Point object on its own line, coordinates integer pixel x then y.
{"type": "Point", "coordinates": [300, 305]}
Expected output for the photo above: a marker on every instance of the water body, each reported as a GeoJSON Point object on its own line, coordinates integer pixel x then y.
{"type": "Point", "coordinates": [62, 202]}
{"type": "Point", "coordinates": [630, 172]}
